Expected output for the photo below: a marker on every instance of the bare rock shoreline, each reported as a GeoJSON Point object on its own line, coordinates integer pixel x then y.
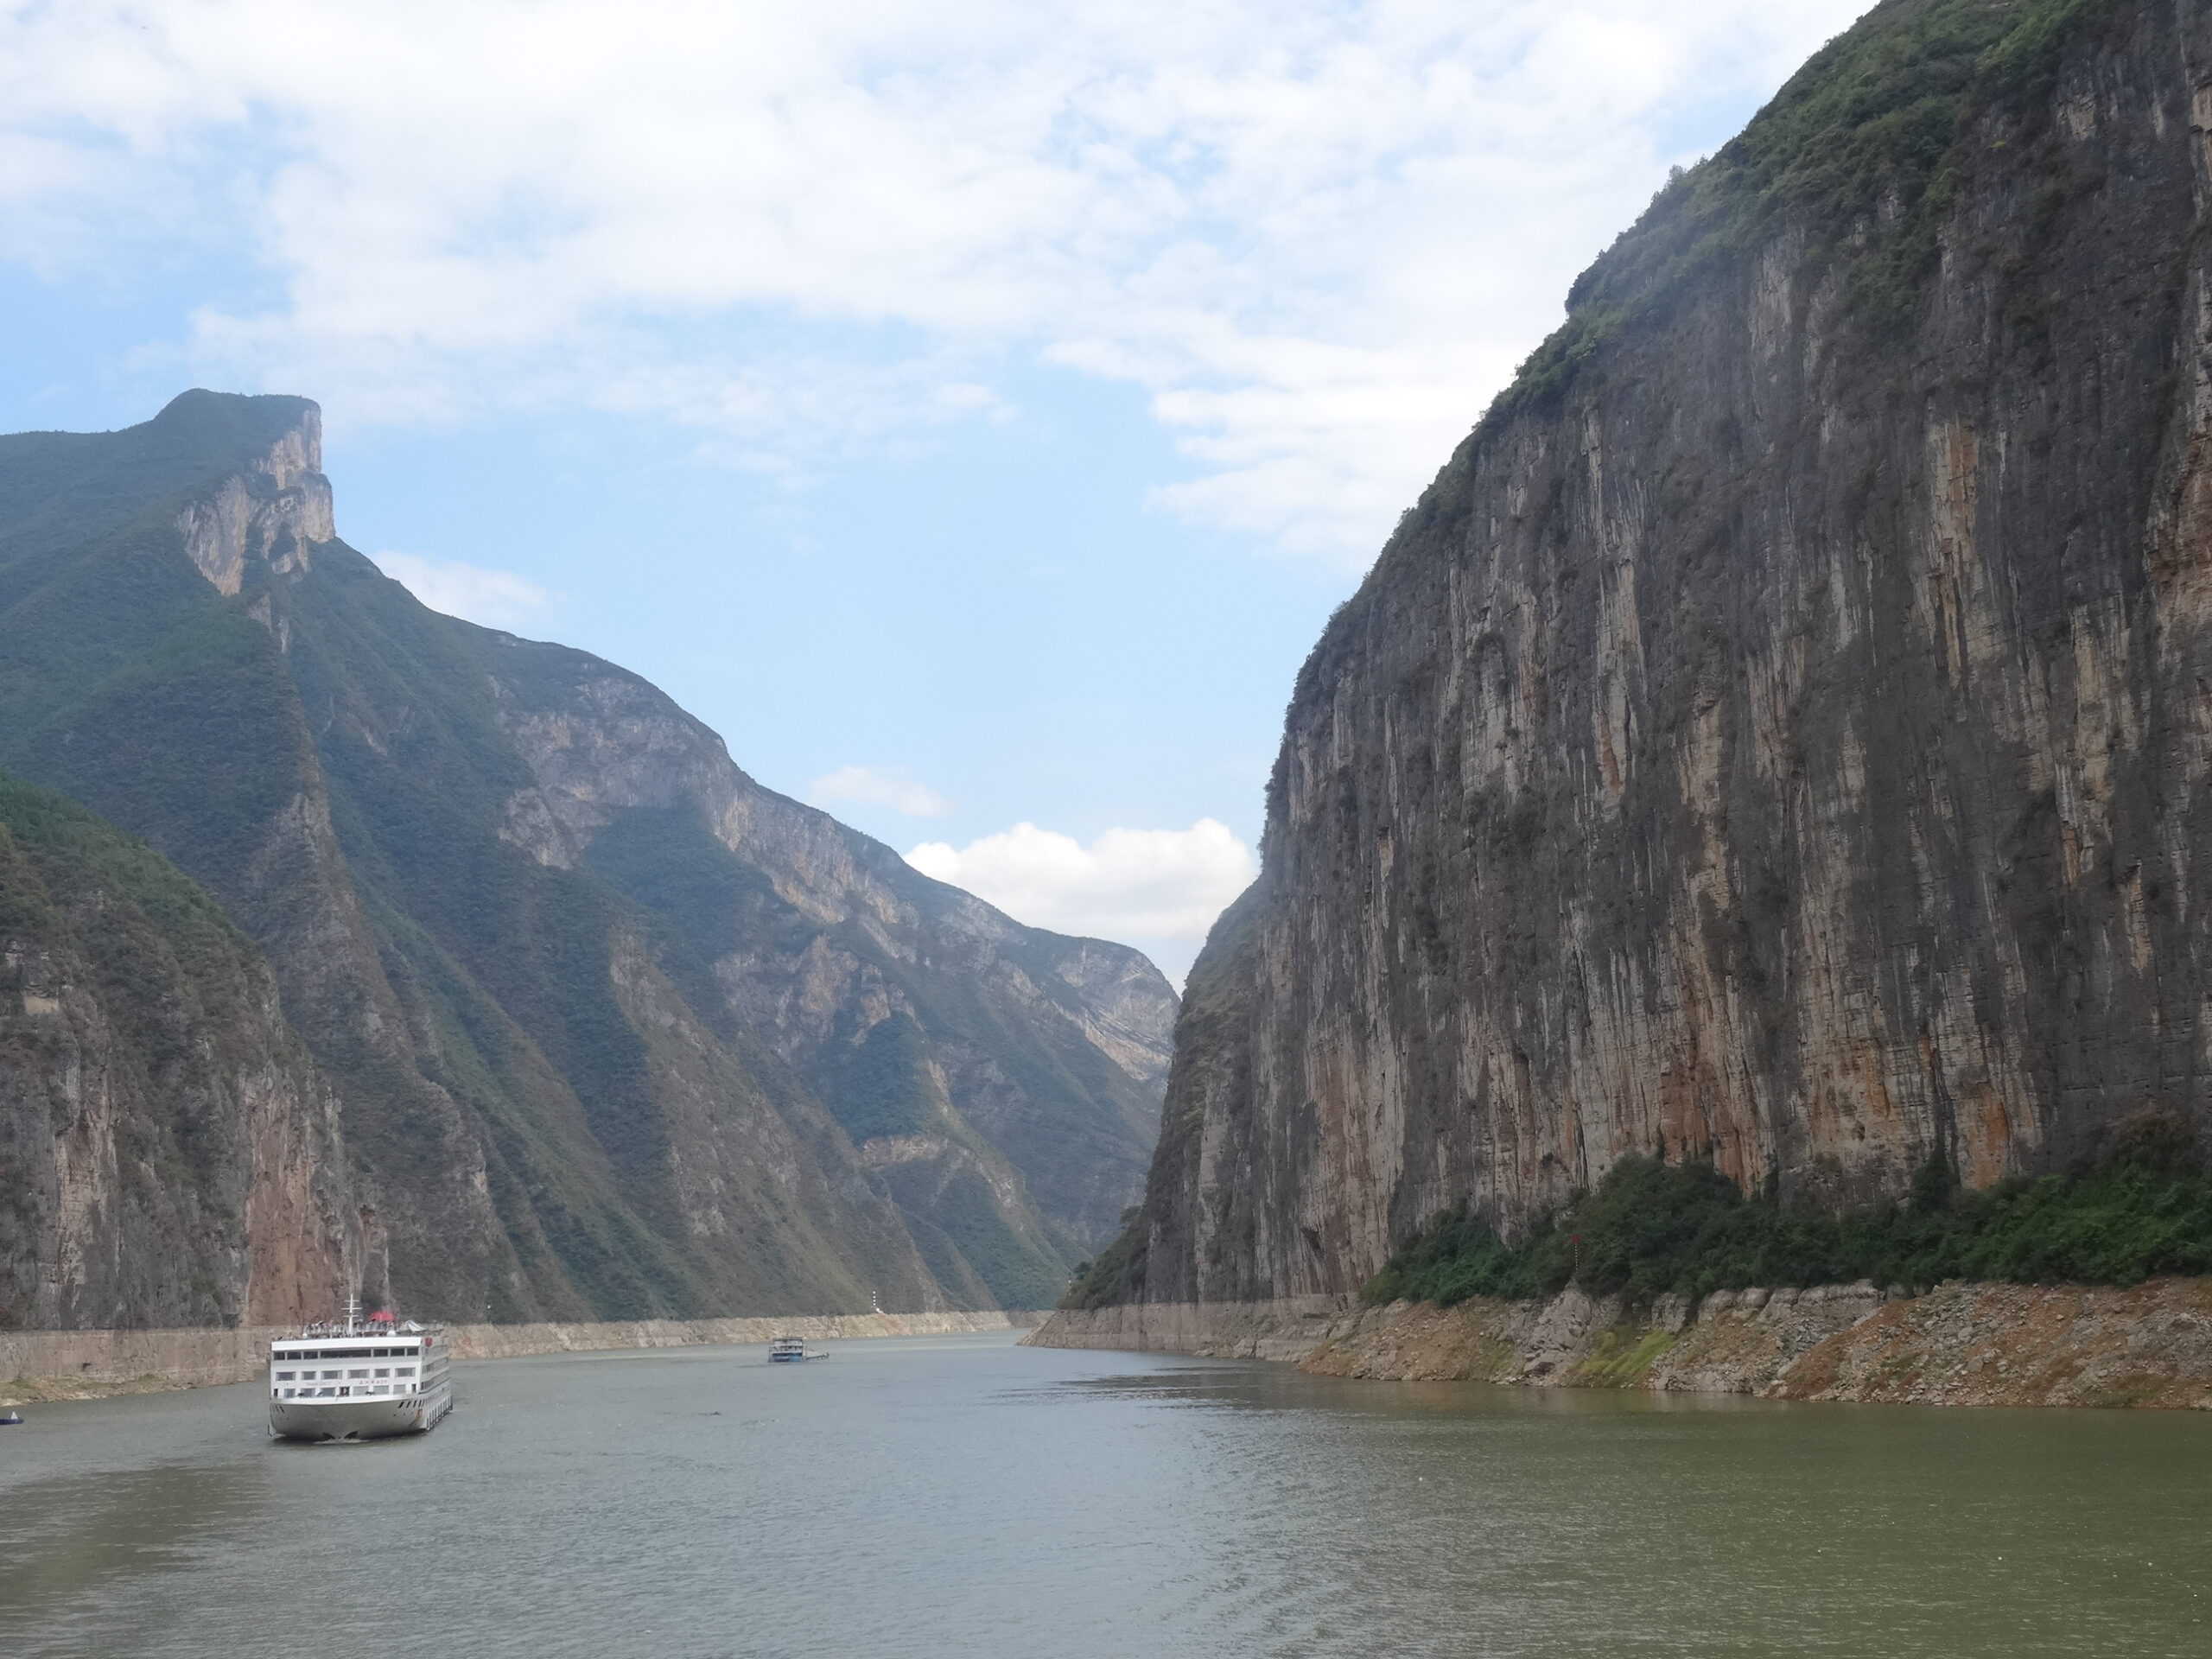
{"type": "Point", "coordinates": [1961, 1344]}
{"type": "Point", "coordinates": [49, 1365]}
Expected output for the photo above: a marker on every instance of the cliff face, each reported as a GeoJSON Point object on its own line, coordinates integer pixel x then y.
{"type": "Point", "coordinates": [940, 1032]}
{"type": "Point", "coordinates": [1781, 734]}
{"type": "Point", "coordinates": [616, 1032]}
{"type": "Point", "coordinates": [169, 1153]}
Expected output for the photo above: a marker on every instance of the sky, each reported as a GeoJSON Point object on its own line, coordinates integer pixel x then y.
{"type": "Point", "coordinates": [972, 411]}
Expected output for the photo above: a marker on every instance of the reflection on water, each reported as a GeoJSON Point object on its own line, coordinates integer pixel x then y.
{"type": "Point", "coordinates": [960, 1496]}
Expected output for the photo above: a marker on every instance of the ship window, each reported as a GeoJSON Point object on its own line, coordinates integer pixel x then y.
{"type": "Point", "coordinates": [384, 1370]}
{"type": "Point", "coordinates": [364, 1371]}
{"type": "Point", "coordinates": [407, 1370]}
{"type": "Point", "coordinates": [328, 1376]}
{"type": "Point", "coordinates": [288, 1377]}
{"type": "Point", "coordinates": [324, 1393]}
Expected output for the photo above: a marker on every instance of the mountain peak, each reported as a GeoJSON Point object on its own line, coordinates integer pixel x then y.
{"type": "Point", "coordinates": [277, 507]}
{"type": "Point", "coordinates": [247, 424]}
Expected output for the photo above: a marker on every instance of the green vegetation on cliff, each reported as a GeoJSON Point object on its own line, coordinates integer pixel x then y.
{"type": "Point", "coordinates": [1865, 146]}
{"type": "Point", "coordinates": [137, 1029]}
{"type": "Point", "coordinates": [1650, 1228]}
{"type": "Point", "coordinates": [1863, 152]}
{"type": "Point", "coordinates": [1110, 1276]}
{"type": "Point", "coordinates": [1681, 763]}
{"type": "Point", "coordinates": [634, 1037]}
{"type": "Point", "coordinates": [52, 844]}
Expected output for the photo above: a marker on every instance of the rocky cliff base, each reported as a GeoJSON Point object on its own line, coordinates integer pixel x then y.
{"type": "Point", "coordinates": [49, 1365]}
{"type": "Point", "coordinates": [1962, 1344]}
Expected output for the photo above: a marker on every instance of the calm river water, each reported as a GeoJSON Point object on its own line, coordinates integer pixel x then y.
{"type": "Point", "coordinates": [965, 1497]}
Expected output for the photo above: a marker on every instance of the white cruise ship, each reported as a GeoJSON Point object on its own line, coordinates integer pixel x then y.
{"type": "Point", "coordinates": [363, 1380]}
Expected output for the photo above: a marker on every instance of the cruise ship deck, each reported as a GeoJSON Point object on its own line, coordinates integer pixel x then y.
{"type": "Point", "coordinates": [359, 1380]}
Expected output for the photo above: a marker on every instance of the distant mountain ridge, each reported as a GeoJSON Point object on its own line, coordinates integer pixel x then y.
{"type": "Point", "coordinates": [615, 1031]}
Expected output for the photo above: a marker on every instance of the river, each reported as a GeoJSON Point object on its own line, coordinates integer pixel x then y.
{"type": "Point", "coordinates": [964, 1497]}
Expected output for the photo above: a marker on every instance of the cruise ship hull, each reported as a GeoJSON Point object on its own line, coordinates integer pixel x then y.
{"type": "Point", "coordinates": [352, 1419]}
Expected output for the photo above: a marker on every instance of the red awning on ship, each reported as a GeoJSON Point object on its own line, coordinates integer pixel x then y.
{"type": "Point", "coordinates": [379, 1319]}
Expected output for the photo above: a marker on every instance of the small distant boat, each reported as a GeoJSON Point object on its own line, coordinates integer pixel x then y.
{"type": "Point", "coordinates": [790, 1350]}
{"type": "Point", "coordinates": [10, 1418]}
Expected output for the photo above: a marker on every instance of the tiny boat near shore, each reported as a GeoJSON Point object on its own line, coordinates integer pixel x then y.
{"type": "Point", "coordinates": [788, 1351]}
{"type": "Point", "coordinates": [10, 1418]}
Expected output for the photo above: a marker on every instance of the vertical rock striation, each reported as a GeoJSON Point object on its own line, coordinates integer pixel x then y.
{"type": "Point", "coordinates": [1781, 735]}
{"type": "Point", "coordinates": [169, 1153]}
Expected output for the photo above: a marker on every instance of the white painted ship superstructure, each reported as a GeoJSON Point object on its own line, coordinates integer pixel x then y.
{"type": "Point", "coordinates": [360, 1380]}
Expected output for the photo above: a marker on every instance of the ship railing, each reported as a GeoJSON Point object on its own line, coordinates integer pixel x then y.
{"type": "Point", "coordinates": [364, 1328]}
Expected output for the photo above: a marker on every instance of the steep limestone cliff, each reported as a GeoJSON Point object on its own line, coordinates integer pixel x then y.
{"type": "Point", "coordinates": [606, 1018]}
{"type": "Point", "coordinates": [1781, 734]}
{"type": "Point", "coordinates": [169, 1154]}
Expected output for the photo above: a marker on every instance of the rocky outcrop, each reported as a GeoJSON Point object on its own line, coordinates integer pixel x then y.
{"type": "Point", "coordinates": [1779, 736]}
{"type": "Point", "coordinates": [1963, 1345]}
{"type": "Point", "coordinates": [169, 1154]}
{"type": "Point", "coordinates": [1287, 1329]}
{"type": "Point", "coordinates": [614, 1031]}
{"type": "Point", "coordinates": [835, 948]}
{"type": "Point", "coordinates": [275, 513]}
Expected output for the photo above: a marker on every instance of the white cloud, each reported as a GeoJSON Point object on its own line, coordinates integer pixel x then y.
{"type": "Point", "coordinates": [878, 787]}
{"type": "Point", "coordinates": [497, 599]}
{"type": "Point", "coordinates": [1133, 884]}
{"type": "Point", "coordinates": [1318, 235]}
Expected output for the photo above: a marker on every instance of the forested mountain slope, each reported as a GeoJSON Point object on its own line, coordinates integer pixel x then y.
{"type": "Point", "coordinates": [614, 1031]}
{"type": "Point", "coordinates": [169, 1153]}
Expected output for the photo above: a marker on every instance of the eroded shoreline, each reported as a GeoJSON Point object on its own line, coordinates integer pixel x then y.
{"type": "Point", "coordinates": [1964, 1345]}
{"type": "Point", "coordinates": [38, 1366]}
